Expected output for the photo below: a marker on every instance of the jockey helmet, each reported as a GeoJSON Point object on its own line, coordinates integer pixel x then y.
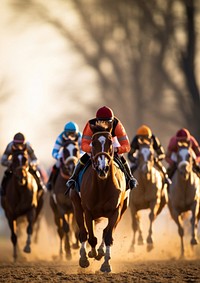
{"type": "Point", "coordinates": [183, 134]}
{"type": "Point", "coordinates": [19, 138]}
{"type": "Point", "coordinates": [104, 113]}
{"type": "Point", "coordinates": [144, 131]}
{"type": "Point", "coordinates": [71, 127]}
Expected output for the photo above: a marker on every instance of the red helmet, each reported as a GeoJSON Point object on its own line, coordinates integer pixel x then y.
{"type": "Point", "coordinates": [19, 138]}
{"type": "Point", "coordinates": [104, 113]}
{"type": "Point", "coordinates": [183, 134]}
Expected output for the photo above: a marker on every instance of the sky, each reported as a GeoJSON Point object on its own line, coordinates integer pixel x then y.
{"type": "Point", "coordinates": [46, 82]}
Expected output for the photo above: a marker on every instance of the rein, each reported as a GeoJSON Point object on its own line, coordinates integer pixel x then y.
{"type": "Point", "coordinates": [65, 176]}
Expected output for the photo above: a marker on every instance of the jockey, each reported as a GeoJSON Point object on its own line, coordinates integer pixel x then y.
{"type": "Point", "coordinates": [19, 143]}
{"type": "Point", "coordinates": [71, 130]}
{"type": "Point", "coordinates": [182, 135]}
{"type": "Point", "coordinates": [144, 133]}
{"type": "Point", "coordinates": [104, 115]}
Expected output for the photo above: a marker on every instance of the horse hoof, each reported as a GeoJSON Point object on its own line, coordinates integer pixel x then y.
{"type": "Point", "coordinates": [149, 240]}
{"type": "Point", "coordinates": [92, 254]}
{"type": "Point", "coordinates": [132, 249]}
{"type": "Point", "coordinates": [75, 246]}
{"type": "Point", "coordinates": [100, 254]}
{"type": "Point", "coordinates": [68, 256]}
{"type": "Point", "coordinates": [27, 250]}
{"type": "Point", "coordinates": [84, 263]}
{"type": "Point", "coordinates": [193, 242]}
{"type": "Point", "coordinates": [105, 267]}
{"type": "Point", "coordinates": [150, 247]}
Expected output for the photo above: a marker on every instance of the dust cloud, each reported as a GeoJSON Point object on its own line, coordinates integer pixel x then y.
{"type": "Point", "coordinates": [46, 244]}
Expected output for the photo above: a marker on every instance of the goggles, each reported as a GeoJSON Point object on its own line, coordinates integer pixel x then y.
{"type": "Point", "coordinates": [70, 135]}
{"type": "Point", "coordinates": [104, 123]}
{"type": "Point", "coordinates": [144, 140]}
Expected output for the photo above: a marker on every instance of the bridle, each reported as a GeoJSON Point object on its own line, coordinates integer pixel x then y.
{"type": "Point", "coordinates": [185, 157]}
{"type": "Point", "coordinates": [20, 171]}
{"type": "Point", "coordinates": [99, 162]}
{"type": "Point", "coordinates": [68, 163]}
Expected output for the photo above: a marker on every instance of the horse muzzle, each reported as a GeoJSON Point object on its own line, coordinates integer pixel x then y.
{"type": "Point", "coordinates": [102, 174]}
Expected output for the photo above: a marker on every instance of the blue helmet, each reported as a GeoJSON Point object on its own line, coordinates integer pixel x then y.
{"type": "Point", "coordinates": [71, 127]}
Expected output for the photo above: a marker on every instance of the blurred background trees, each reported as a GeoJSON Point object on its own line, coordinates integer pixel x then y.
{"type": "Point", "coordinates": [143, 56]}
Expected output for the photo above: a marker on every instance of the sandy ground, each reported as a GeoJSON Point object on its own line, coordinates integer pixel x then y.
{"type": "Point", "coordinates": [162, 264]}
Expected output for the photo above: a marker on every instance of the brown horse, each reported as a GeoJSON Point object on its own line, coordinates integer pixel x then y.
{"type": "Point", "coordinates": [149, 194]}
{"type": "Point", "coordinates": [103, 194]}
{"type": "Point", "coordinates": [21, 198]}
{"type": "Point", "coordinates": [61, 205]}
{"type": "Point", "coordinates": [184, 193]}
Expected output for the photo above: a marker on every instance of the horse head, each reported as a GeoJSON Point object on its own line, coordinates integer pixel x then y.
{"type": "Point", "coordinates": [185, 156]}
{"type": "Point", "coordinates": [70, 156]}
{"type": "Point", "coordinates": [146, 157]}
{"type": "Point", "coordinates": [102, 151]}
{"type": "Point", "coordinates": [20, 165]}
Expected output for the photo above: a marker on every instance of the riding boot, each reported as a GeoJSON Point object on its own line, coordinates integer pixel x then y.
{"type": "Point", "coordinates": [40, 184]}
{"type": "Point", "coordinates": [52, 177]}
{"type": "Point", "coordinates": [72, 180]}
{"type": "Point", "coordinates": [131, 181]}
{"type": "Point", "coordinates": [163, 170]}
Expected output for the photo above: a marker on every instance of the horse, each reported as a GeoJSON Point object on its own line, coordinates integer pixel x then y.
{"type": "Point", "coordinates": [184, 194]}
{"type": "Point", "coordinates": [22, 199]}
{"type": "Point", "coordinates": [149, 194]}
{"type": "Point", "coordinates": [61, 205]}
{"type": "Point", "coordinates": [103, 196]}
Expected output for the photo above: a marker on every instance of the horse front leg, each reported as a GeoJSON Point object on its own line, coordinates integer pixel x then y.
{"type": "Point", "coordinates": [108, 239]}
{"type": "Point", "coordinates": [66, 231]}
{"type": "Point", "coordinates": [31, 216]}
{"type": "Point", "coordinates": [76, 233]}
{"type": "Point", "coordinates": [178, 220]}
{"type": "Point", "coordinates": [79, 216]}
{"type": "Point", "coordinates": [135, 217]}
{"type": "Point", "coordinates": [194, 223]}
{"type": "Point", "coordinates": [92, 240]}
{"type": "Point", "coordinates": [152, 215]}
{"type": "Point", "coordinates": [13, 227]}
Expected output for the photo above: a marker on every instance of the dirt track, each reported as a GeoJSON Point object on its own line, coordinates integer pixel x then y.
{"type": "Point", "coordinates": [156, 271]}
{"type": "Point", "coordinates": [162, 264]}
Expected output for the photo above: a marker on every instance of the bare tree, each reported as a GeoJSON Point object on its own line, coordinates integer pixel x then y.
{"type": "Point", "coordinates": [145, 68]}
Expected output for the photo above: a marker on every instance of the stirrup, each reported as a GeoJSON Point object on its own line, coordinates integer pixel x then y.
{"type": "Point", "coordinates": [49, 186]}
